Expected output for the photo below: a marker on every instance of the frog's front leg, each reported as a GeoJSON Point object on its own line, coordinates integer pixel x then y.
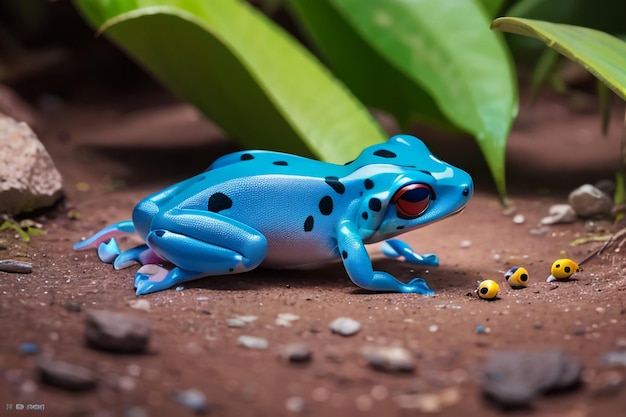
{"type": "Point", "coordinates": [359, 266]}
{"type": "Point", "coordinates": [199, 243]}
{"type": "Point", "coordinates": [395, 248]}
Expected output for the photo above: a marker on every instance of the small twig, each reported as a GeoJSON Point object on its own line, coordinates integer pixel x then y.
{"type": "Point", "coordinates": [598, 251]}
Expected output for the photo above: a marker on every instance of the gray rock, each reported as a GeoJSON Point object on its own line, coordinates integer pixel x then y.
{"type": "Point", "coordinates": [193, 399]}
{"type": "Point", "coordinates": [560, 213]}
{"type": "Point", "coordinates": [15, 267]}
{"type": "Point", "coordinates": [66, 375]}
{"type": "Point", "coordinates": [514, 379]}
{"type": "Point", "coordinates": [297, 353]}
{"type": "Point", "coordinates": [252, 342]}
{"type": "Point", "coordinates": [117, 332]}
{"type": "Point", "coordinates": [588, 201]}
{"type": "Point", "coordinates": [389, 359]}
{"type": "Point", "coordinates": [345, 326]}
{"type": "Point", "coordinates": [28, 177]}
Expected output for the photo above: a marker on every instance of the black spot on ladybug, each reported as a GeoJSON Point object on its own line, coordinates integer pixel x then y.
{"type": "Point", "coordinates": [159, 233]}
{"type": "Point", "coordinates": [383, 153]}
{"type": "Point", "coordinates": [281, 163]}
{"type": "Point", "coordinates": [523, 277]}
{"type": "Point", "coordinates": [335, 184]}
{"type": "Point", "coordinates": [369, 184]}
{"type": "Point", "coordinates": [219, 202]}
{"type": "Point", "coordinates": [326, 205]}
{"type": "Point", "coordinates": [557, 265]}
{"type": "Point", "coordinates": [484, 290]}
{"type": "Point", "coordinates": [567, 269]}
{"type": "Point", "coordinates": [375, 204]}
{"type": "Point", "coordinates": [246, 157]}
{"type": "Point", "coordinates": [344, 254]}
{"type": "Point", "coordinates": [365, 215]}
{"type": "Point", "coordinates": [308, 224]}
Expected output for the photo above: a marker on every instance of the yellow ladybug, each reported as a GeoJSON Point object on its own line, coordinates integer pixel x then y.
{"type": "Point", "coordinates": [563, 269]}
{"type": "Point", "coordinates": [488, 289]}
{"type": "Point", "coordinates": [517, 277]}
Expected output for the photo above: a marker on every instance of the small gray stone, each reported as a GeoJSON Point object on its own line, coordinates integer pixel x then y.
{"type": "Point", "coordinates": [513, 379]}
{"type": "Point", "coordinates": [28, 177]}
{"type": "Point", "coordinates": [193, 399]}
{"type": "Point", "coordinates": [588, 201]}
{"type": "Point", "coordinates": [345, 326]}
{"type": "Point", "coordinates": [614, 358]}
{"type": "Point", "coordinates": [389, 359]}
{"type": "Point", "coordinates": [15, 267]}
{"type": "Point", "coordinates": [560, 213]}
{"type": "Point", "coordinates": [65, 375]}
{"type": "Point", "coordinates": [252, 342]}
{"type": "Point", "coordinates": [117, 332]}
{"type": "Point", "coordinates": [297, 353]}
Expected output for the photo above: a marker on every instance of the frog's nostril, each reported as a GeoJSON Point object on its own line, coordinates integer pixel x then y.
{"type": "Point", "coordinates": [466, 191]}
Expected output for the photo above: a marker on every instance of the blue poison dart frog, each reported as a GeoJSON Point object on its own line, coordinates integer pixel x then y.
{"type": "Point", "coordinates": [563, 269]}
{"type": "Point", "coordinates": [517, 277]}
{"type": "Point", "coordinates": [273, 209]}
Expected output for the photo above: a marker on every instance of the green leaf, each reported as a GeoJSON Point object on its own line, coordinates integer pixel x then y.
{"type": "Point", "coordinates": [242, 71]}
{"type": "Point", "coordinates": [491, 7]}
{"type": "Point", "coordinates": [600, 53]}
{"type": "Point", "coordinates": [422, 60]}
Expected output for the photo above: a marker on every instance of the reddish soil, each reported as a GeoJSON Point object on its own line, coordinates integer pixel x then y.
{"type": "Point", "coordinates": [126, 147]}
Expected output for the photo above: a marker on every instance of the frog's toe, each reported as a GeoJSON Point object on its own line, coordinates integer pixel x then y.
{"type": "Point", "coordinates": [141, 254]}
{"type": "Point", "coordinates": [419, 286]}
{"type": "Point", "coordinates": [396, 248]}
{"type": "Point", "coordinates": [108, 252]}
{"type": "Point", "coordinates": [151, 278]}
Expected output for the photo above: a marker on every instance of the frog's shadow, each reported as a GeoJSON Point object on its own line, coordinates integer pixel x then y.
{"type": "Point", "coordinates": [333, 276]}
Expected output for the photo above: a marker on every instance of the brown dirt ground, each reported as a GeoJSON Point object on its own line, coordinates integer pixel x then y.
{"type": "Point", "coordinates": [125, 147]}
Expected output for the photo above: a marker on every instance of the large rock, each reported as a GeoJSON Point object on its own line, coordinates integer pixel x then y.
{"type": "Point", "coordinates": [28, 177]}
{"type": "Point", "coordinates": [589, 202]}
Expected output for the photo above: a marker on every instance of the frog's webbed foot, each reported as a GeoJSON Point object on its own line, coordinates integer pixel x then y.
{"type": "Point", "coordinates": [141, 254]}
{"type": "Point", "coordinates": [395, 248]}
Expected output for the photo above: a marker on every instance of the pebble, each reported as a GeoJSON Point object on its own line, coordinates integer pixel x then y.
{"type": "Point", "coordinates": [73, 307]}
{"type": "Point", "coordinates": [295, 404]}
{"type": "Point", "coordinates": [483, 329]}
{"type": "Point", "coordinates": [252, 342]}
{"type": "Point", "coordinates": [588, 201]}
{"type": "Point", "coordinates": [297, 353]}
{"type": "Point", "coordinates": [617, 358]}
{"type": "Point", "coordinates": [29, 177]}
{"type": "Point", "coordinates": [559, 213]}
{"type": "Point", "coordinates": [140, 304]}
{"type": "Point", "coordinates": [465, 243]}
{"type": "Point", "coordinates": [15, 267]}
{"type": "Point", "coordinates": [117, 332]}
{"type": "Point", "coordinates": [29, 348]}
{"type": "Point", "coordinates": [433, 328]}
{"type": "Point", "coordinates": [193, 399]}
{"type": "Point", "coordinates": [66, 375]}
{"type": "Point", "coordinates": [513, 379]}
{"type": "Point", "coordinates": [389, 359]}
{"type": "Point", "coordinates": [285, 319]}
{"type": "Point", "coordinates": [519, 219]}
{"type": "Point", "coordinates": [345, 326]}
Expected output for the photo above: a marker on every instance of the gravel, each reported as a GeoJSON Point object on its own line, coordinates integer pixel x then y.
{"type": "Point", "coordinates": [345, 326]}
{"type": "Point", "coordinates": [389, 359]}
{"type": "Point", "coordinates": [117, 332]}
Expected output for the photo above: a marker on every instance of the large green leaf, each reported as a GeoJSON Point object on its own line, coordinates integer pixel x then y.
{"type": "Point", "coordinates": [242, 71]}
{"type": "Point", "coordinates": [433, 61]}
{"type": "Point", "coordinates": [600, 53]}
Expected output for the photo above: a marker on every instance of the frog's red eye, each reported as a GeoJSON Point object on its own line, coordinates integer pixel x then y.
{"type": "Point", "coordinates": [412, 200]}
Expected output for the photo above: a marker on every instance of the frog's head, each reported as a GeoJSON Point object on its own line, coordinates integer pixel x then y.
{"type": "Point", "coordinates": [410, 188]}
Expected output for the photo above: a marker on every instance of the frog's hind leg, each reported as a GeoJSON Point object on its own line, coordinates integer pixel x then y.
{"type": "Point", "coordinates": [199, 244]}
{"type": "Point", "coordinates": [395, 248]}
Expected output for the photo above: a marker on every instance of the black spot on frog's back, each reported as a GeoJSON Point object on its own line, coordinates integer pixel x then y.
{"type": "Point", "coordinates": [219, 202]}
{"type": "Point", "coordinates": [384, 153]}
{"type": "Point", "coordinates": [335, 184]}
